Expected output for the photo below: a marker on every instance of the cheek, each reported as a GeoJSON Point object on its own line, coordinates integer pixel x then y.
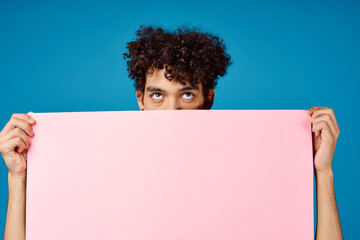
{"type": "Point", "coordinates": [198, 104]}
{"type": "Point", "coordinates": [151, 104]}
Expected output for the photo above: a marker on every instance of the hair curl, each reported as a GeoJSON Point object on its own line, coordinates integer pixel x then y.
{"type": "Point", "coordinates": [187, 55]}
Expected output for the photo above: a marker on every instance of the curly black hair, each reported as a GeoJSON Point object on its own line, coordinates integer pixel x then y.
{"type": "Point", "coordinates": [186, 53]}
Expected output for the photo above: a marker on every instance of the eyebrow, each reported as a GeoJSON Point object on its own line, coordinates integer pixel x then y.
{"type": "Point", "coordinates": [156, 89]}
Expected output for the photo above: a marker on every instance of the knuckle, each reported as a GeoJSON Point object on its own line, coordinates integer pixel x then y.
{"type": "Point", "coordinates": [317, 124]}
{"type": "Point", "coordinates": [26, 127]}
{"type": "Point", "coordinates": [334, 136]}
{"type": "Point", "coordinates": [14, 115]}
{"type": "Point", "coordinates": [12, 121]}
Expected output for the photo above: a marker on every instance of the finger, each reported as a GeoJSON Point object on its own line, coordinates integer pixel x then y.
{"type": "Point", "coordinates": [24, 155]}
{"type": "Point", "coordinates": [31, 119]}
{"type": "Point", "coordinates": [20, 123]}
{"type": "Point", "coordinates": [324, 128]}
{"type": "Point", "coordinates": [16, 132]}
{"type": "Point", "coordinates": [311, 112]}
{"type": "Point", "coordinates": [325, 110]}
{"type": "Point", "coordinates": [25, 117]}
{"type": "Point", "coordinates": [313, 109]}
{"type": "Point", "coordinates": [12, 144]}
{"type": "Point", "coordinates": [326, 117]}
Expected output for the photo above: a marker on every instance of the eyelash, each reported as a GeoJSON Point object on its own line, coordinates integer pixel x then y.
{"type": "Point", "coordinates": [151, 95]}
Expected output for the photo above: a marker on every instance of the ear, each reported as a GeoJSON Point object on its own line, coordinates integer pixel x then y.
{"type": "Point", "coordinates": [140, 99]}
{"type": "Point", "coordinates": [209, 99]}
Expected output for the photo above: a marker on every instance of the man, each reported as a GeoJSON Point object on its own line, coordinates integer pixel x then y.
{"type": "Point", "coordinates": [175, 71]}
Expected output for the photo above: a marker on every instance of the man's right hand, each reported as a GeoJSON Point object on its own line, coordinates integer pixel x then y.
{"type": "Point", "coordinates": [14, 142]}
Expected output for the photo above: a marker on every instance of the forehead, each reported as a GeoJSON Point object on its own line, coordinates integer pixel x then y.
{"type": "Point", "coordinates": [157, 79]}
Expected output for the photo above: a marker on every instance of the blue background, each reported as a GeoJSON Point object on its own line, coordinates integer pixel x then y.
{"type": "Point", "coordinates": [63, 57]}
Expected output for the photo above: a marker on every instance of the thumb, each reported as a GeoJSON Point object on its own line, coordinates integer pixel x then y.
{"type": "Point", "coordinates": [31, 120]}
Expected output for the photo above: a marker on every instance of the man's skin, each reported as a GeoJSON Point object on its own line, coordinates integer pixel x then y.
{"type": "Point", "coordinates": [169, 96]}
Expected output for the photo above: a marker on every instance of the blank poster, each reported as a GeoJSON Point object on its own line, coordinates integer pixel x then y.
{"type": "Point", "coordinates": [170, 174]}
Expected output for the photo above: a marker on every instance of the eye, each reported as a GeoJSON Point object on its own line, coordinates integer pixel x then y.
{"type": "Point", "coordinates": [155, 96]}
{"type": "Point", "coordinates": [188, 95]}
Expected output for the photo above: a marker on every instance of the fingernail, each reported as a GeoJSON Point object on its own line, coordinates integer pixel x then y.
{"type": "Point", "coordinates": [31, 120]}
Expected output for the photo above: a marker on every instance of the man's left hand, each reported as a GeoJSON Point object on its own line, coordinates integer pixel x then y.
{"type": "Point", "coordinates": [325, 134]}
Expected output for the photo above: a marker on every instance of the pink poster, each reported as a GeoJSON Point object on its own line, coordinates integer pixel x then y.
{"type": "Point", "coordinates": [189, 174]}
